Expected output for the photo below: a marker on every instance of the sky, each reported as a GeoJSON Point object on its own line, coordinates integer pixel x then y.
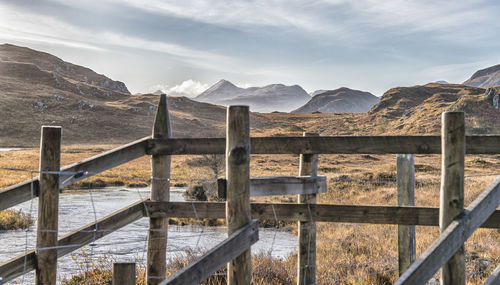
{"type": "Point", "coordinates": [183, 47]}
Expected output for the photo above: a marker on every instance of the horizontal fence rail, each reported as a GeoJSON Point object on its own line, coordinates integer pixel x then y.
{"type": "Point", "coordinates": [287, 185]}
{"type": "Point", "coordinates": [401, 215]}
{"type": "Point", "coordinates": [325, 145]}
{"type": "Point", "coordinates": [210, 262]}
{"type": "Point", "coordinates": [453, 237]}
{"type": "Point", "coordinates": [25, 263]}
{"type": "Point", "coordinates": [422, 216]}
{"type": "Point", "coordinates": [457, 233]}
{"type": "Point", "coordinates": [22, 192]}
{"type": "Point", "coordinates": [280, 185]}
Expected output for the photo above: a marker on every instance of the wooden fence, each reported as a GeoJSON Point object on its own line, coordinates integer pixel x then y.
{"type": "Point", "coordinates": [456, 223]}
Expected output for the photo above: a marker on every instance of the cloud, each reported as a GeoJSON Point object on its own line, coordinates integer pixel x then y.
{"type": "Point", "coordinates": [31, 27]}
{"type": "Point", "coordinates": [342, 18]}
{"type": "Point", "coordinates": [189, 88]}
{"type": "Point", "coordinates": [28, 27]}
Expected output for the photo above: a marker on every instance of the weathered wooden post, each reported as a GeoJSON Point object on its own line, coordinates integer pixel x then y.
{"type": "Point", "coordinates": [160, 191]}
{"type": "Point", "coordinates": [406, 197]}
{"type": "Point", "coordinates": [238, 187]}
{"type": "Point", "coordinates": [306, 263]}
{"type": "Point", "coordinates": [452, 188]}
{"type": "Point", "coordinates": [48, 206]}
{"type": "Point", "coordinates": [123, 273]}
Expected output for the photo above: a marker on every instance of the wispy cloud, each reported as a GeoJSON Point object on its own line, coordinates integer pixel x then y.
{"type": "Point", "coordinates": [344, 18]}
{"type": "Point", "coordinates": [312, 43]}
{"type": "Point", "coordinates": [189, 88]}
{"type": "Point", "coordinates": [32, 27]}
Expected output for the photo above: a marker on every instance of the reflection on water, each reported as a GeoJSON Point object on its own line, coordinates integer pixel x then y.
{"type": "Point", "coordinates": [9, 148]}
{"type": "Point", "coordinates": [128, 243]}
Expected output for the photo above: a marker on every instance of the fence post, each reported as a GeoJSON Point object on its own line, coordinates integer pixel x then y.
{"type": "Point", "coordinates": [123, 273]}
{"type": "Point", "coordinates": [452, 188]}
{"type": "Point", "coordinates": [160, 191]}
{"type": "Point", "coordinates": [48, 206]}
{"type": "Point", "coordinates": [306, 262]}
{"type": "Point", "coordinates": [406, 197]}
{"type": "Point", "coordinates": [238, 187]}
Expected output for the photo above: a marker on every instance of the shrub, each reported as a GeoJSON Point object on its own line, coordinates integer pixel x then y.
{"type": "Point", "coordinates": [15, 219]}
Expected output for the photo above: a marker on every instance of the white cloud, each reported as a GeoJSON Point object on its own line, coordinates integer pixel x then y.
{"type": "Point", "coordinates": [188, 88]}
{"type": "Point", "coordinates": [31, 27]}
{"type": "Point", "coordinates": [344, 19]}
{"type": "Point", "coordinates": [244, 85]}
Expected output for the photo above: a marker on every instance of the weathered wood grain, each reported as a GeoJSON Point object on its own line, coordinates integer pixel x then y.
{"type": "Point", "coordinates": [238, 188]}
{"type": "Point", "coordinates": [453, 238]}
{"type": "Point", "coordinates": [494, 278]}
{"type": "Point", "coordinates": [452, 189]}
{"type": "Point", "coordinates": [484, 144]}
{"type": "Point", "coordinates": [160, 191]}
{"type": "Point", "coordinates": [25, 263]}
{"type": "Point", "coordinates": [406, 197]}
{"type": "Point", "coordinates": [123, 273]}
{"type": "Point", "coordinates": [210, 262]}
{"type": "Point", "coordinates": [281, 185]}
{"type": "Point", "coordinates": [395, 215]}
{"type": "Point", "coordinates": [104, 161]}
{"type": "Point", "coordinates": [48, 206]}
{"type": "Point", "coordinates": [306, 253]}
{"type": "Point", "coordinates": [21, 192]}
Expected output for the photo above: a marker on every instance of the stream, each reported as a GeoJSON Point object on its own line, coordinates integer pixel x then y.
{"type": "Point", "coordinates": [128, 244]}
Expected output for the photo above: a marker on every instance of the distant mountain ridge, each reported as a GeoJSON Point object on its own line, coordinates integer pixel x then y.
{"type": "Point", "coordinates": [485, 78]}
{"type": "Point", "coordinates": [340, 100]}
{"type": "Point", "coordinates": [274, 97]}
{"type": "Point", "coordinates": [38, 89]}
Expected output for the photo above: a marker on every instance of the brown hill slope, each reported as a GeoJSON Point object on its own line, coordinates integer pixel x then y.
{"type": "Point", "coordinates": [59, 68]}
{"type": "Point", "coordinates": [406, 110]}
{"type": "Point", "coordinates": [418, 109]}
{"type": "Point", "coordinates": [339, 100]}
{"type": "Point", "coordinates": [33, 94]}
{"type": "Point", "coordinates": [488, 77]}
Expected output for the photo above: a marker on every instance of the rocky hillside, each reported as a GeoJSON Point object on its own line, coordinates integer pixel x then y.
{"type": "Point", "coordinates": [488, 77]}
{"type": "Point", "coordinates": [418, 109]}
{"type": "Point", "coordinates": [32, 95]}
{"type": "Point", "coordinates": [38, 89]}
{"type": "Point", "coordinates": [274, 97]}
{"type": "Point", "coordinates": [338, 101]}
{"type": "Point", "coordinates": [39, 64]}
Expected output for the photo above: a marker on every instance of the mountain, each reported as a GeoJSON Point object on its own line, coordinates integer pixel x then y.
{"type": "Point", "coordinates": [417, 109]}
{"type": "Point", "coordinates": [338, 101]}
{"type": "Point", "coordinates": [274, 97]}
{"type": "Point", "coordinates": [488, 77]}
{"type": "Point", "coordinates": [222, 90]}
{"type": "Point", "coordinates": [39, 65]}
{"type": "Point", "coordinates": [38, 89]}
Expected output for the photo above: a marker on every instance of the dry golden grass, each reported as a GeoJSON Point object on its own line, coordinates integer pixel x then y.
{"type": "Point", "coordinates": [347, 253]}
{"type": "Point", "coordinates": [13, 220]}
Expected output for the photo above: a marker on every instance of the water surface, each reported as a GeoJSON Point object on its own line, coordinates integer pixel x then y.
{"type": "Point", "coordinates": [129, 243]}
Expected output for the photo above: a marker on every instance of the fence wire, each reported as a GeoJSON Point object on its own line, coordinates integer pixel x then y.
{"type": "Point", "coordinates": [134, 247]}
